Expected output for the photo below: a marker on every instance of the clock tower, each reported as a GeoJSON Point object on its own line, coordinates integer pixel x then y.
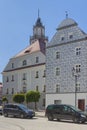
{"type": "Point", "coordinates": [38, 31]}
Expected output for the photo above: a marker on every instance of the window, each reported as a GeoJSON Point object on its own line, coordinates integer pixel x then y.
{"type": "Point", "coordinates": [12, 65]}
{"type": "Point", "coordinates": [12, 78]}
{"type": "Point", "coordinates": [24, 89]}
{"type": "Point", "coordinates": [78, 87]}
{"type": "Point", "coordinates": [44, 88]}
{"type": "Point", "coordinates": [24, 62]}
{"type": "Point", "coordinates": [24, 76]}
{"type": "Point", "coordinates": [57, 71]}
{"type": "Point", "coordinates": [57, 55]}
{"type": "Point", "coordinates": [37, 59]}
{"type": "Point", "coordinates": [37, 75]}
{"type": "Point", "coordinates": [62, 38]}
{"type": "Point", "coordinates": [12, 90]}
{"type": "Point", "coordinates": [57, 88]}
{"type": "Point", "coordinates": [78, 51]}
{"type": "Point", "coordinates": [71, 36]}
{"type": "Point", "coordinates": [7, 92]}
{"type": "Point", "coordinates": [44, 75]}
{"type": "Point", "coordinates": [43, 102]}
{"type": "Point", "coordinates": [37, 88]}
{"type": "Point", "coordinates": [7, 80]}
{"type": "Point", "coordinates": [78, 68]}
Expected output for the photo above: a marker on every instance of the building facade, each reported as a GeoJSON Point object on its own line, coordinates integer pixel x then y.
{"type": "Point", "coordinates": [1, 89]}
{"type": "Point", "coordinates": [66, 66]}
{"type": "Point", "coordinates": [26, 70]}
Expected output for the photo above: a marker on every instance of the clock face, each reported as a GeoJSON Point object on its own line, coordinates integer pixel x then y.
{"type": "Point", "coordinates": [39, 31]}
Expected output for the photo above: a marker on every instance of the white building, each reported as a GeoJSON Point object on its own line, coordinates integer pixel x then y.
{"type": "Point", "coordinates": [66, 66]}
{"type": "Point", "coordinates": [26, 70]}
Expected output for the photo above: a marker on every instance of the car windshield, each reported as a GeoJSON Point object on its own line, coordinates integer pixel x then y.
{"type": "Point", "coordinates": [23, 107]}
{"type": "Point", "coordinates": [75, 108]}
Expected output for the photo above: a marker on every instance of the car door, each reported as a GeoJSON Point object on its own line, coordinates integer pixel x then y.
{"type": "Point", "coordinates": [57, 111]}
{"type": "Point", "coordinates": [66, 113]}
{"type": "Point", "coordinates": [16, 111]}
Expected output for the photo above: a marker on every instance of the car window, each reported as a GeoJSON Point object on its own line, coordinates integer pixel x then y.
{"type": "Point", "coordinates": [50, 107]}
{"type": "Point", "coordinates": [66, 109]}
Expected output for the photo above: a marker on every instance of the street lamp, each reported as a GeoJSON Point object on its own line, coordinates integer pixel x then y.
{"type": "Point", "coordinates": [76, 75]}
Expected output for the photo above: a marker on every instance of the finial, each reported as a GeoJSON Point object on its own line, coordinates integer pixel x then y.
{"type": "Point", "coordinates": [38, 13]}
{"type": "Point", "coordinates": [66, 14]}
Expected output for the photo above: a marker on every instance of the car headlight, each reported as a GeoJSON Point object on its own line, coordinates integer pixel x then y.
{"type": "Point", "coordinates": [83, 116]}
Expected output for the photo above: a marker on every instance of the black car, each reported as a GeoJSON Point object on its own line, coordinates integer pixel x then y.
{"type": "Point", "coordinates": [17, 110]}
{"type": "Point", "coordinates": [65, 112]}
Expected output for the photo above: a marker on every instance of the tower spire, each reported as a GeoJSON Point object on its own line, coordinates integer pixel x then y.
{"type": "Point", "coordinates": [38, 13]}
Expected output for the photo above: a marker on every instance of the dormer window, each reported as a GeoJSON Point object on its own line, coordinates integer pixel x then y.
{"type": "Point", "coordinates": [37, 59]}
{"type": "Point", "coordinates": [12, 65]}
{"type": "Point", "coordinates": [62, 38]}
{"type": "Point", "coordinates": [24, 62]}
{"type": "Point", "coordinates": [70, 36]}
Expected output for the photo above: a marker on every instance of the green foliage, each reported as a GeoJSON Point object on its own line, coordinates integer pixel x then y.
{"type": "Point", "coordinates": [19, 98]}
{"type": "Point", "coordinates": [32, 96]}
{"type": "Point", "coordinates": [4, 99]}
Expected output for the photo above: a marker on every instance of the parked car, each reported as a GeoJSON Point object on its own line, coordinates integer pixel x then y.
{"type": "Point", "coordinates": [65, 112]}
{"type": "Point", "coordinates": [17, 110]}
{"type": "Point", "coordinates": [1, 110]}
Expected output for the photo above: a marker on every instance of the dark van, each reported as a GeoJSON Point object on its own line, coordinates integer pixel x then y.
{"type": "Point", "coordinates": [65, 112]}
{"type": "Point", "coordinates": [17, 110]}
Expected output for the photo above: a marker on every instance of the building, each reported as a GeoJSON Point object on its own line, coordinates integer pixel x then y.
{"type": "Point", "coordinates": [26, 70]}
{"type": "Point", "coordinates": [66, 66]}
{"type": "Point", "coordinates": [1, 89]}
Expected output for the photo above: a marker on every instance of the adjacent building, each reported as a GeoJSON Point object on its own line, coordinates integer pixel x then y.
{"type": "Point", "coordinates": [66, 66]}
{"type": "Point", "coordinates": [26, 70]}
{"type": "Point", "coordinates": [1, 89]}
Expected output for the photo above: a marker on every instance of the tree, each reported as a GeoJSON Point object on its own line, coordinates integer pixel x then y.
{"type": "Point", "coordinates": [4, 99]}
{"type": "Point", "coordinates": [19, 98]}
{"type": "Point", "coordinates": [33, 96]}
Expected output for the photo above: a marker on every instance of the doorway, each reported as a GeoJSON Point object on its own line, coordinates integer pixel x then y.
{"type": "Point", "coordinates": [81, 104]}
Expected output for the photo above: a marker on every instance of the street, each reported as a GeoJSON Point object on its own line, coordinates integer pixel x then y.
{"type": "Point", "coordinates": [38, 123]}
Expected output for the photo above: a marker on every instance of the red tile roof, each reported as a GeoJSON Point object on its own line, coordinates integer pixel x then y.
{"type": "Point", "coordinates": [34, 47]}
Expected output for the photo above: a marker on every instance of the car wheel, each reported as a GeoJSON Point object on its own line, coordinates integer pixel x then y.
{"type": "Point", "coordinates": [5, 114]}
{"type": "Point", "coordinates": [21, 115]}
{"type": "Point", "coordinates": [75, 120]}
{"type": "Point", "coordinates": [50, 117]}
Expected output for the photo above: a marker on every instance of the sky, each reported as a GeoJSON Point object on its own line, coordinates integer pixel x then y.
{"type": "Point", "coordinates": [17, 18]}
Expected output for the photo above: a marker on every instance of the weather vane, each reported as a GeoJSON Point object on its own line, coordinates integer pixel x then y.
{"type": "Point", "coordinates": [66, 14]}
